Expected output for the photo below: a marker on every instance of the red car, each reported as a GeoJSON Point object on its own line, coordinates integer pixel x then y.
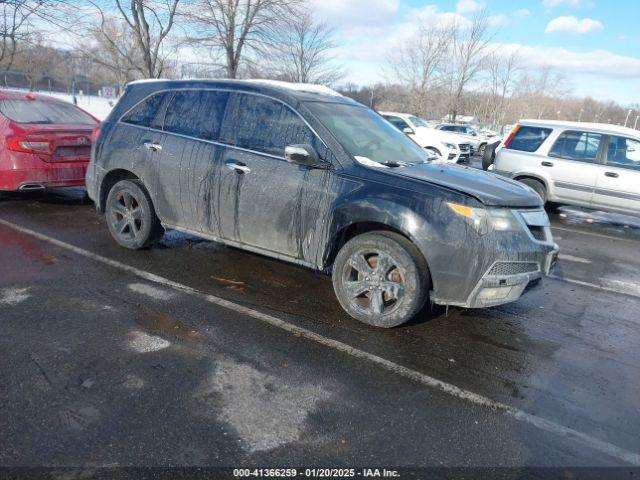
{"type": "Point", "coordinates": [44, 142]}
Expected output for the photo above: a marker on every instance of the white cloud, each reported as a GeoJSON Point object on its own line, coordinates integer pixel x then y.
{"type": "Point", "coordinates": [567, 3]}
{"type": "Point", "coordinates": [573, 25]}
{"type": "Point", "coordinates": [522, 13]}
{"type": "Point", "coordinates": [470, 6]}
{"type": "Point", "coordinates": [355, 12]}
{"type": "Point", "coordinates": [601, 63]}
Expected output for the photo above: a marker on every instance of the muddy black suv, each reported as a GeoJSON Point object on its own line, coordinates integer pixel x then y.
{"type": "Point", "coordinates": [305, 175]}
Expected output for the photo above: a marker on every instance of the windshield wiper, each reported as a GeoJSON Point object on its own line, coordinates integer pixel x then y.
{"type": "Point", "coordinates": [393, 164]}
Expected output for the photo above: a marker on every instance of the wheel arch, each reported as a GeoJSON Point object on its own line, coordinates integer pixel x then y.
{"type": "Point", "coordinates": [109, 180]}
{"type": "Point", "coordinates": [395, 218]}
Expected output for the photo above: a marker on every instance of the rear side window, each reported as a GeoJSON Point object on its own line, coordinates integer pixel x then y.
{"type": "Point", "coordinates": [39, 112]}
{"type": "Point", "coordinates": [580, 146]}
{"type": "Point", "coordinates": [397, 122]}
{"type": "Point", "coordinates": [623, 153]}
{"type": "Point", "coordinates": [196, 113]}
{"type": "Point", "coordinates": [528, 139]}
{"type": "Point", "coordinates": [147, 112]}
{"type": "Point", "coordinates": [263, 125]}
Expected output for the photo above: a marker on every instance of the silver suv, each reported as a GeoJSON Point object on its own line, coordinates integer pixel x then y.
{"type": "Point", "coordinates": [584, 164]}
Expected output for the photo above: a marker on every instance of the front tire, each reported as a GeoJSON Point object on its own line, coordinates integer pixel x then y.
{"type": "Point", "coordinates": [381, 279]}
{"type": "Point", "coordinates": [130, 215]}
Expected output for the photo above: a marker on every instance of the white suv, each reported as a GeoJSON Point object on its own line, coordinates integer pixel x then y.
{"type": "Point", "coordinates": [584, 164]}
{"type": "Point", "coordinates": [447, 146]}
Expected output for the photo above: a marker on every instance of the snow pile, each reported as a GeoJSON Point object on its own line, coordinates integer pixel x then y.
{"type": "Point", "coordinates": [99, 107]}
{"type": "Point", "coordinates": [301, 87]}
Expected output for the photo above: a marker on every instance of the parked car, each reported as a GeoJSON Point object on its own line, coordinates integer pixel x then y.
{"type": "Point", "coordinates": [448, 147]}
{"type": "Point", "coordinates": [584, 164]}
{"type": "Point", "coordinates": [318, 180]}
{"type": "Point", "coordinates": [477, 140]}
{"type": "Point", "coordinates": [45, 142]}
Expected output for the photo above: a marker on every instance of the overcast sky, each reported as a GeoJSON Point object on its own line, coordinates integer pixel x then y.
{"type": "Point", "coordinates": [596, 43]}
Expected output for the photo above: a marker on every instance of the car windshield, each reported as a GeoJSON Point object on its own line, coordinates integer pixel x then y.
{"type": "Point", "coordinates": [39, 112]}
{"type": "Point", "coordinates": [418, 122]}
{"type": "Point", "coordinates": [366, 136]}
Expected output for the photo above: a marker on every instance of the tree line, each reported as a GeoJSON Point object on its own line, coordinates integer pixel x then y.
{"type": "Point", "coordinates": [442, 71]}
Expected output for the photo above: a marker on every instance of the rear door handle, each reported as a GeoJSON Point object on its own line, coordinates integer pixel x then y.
{"type": "Point", "coordinates": [611, 174]}
{"type": "Point", "coordinates": [154, 147]}
{"type": "Point", "coordinates": [239, 167]}
{"type": "Point", "coordinates": [547, 164]}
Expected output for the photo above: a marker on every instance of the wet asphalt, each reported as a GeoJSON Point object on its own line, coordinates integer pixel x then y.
{"type": "Point", "coordinates": [102, 367]}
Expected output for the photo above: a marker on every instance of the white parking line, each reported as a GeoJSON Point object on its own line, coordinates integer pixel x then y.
{"type": "Point", "coordinates": [448, 388]}
{"type": "Point", "coordinates": [596, 286]}
{"type": "Point", "coordinates": [571, 258]}
{"type": "Point", "coordinates": [592, 234]}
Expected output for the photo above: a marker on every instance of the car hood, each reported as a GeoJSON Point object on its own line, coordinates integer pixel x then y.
{"type": "Point", "coordinates": [488, 188]}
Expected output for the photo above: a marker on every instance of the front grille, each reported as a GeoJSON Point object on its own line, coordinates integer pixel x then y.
{"type": "Point", "coordinates": [464, 147]}
{"type": "Point", "coordinates": [512, 268]}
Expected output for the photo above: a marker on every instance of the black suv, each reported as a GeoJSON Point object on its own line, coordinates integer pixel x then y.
{"type": "Point", "coordinates": [308, 176]}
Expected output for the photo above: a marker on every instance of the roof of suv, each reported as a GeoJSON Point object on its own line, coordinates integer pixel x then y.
{"type": "Point", "coordinates": [593, 127]}
{"type": "Point", "coordinates": [299, 91]}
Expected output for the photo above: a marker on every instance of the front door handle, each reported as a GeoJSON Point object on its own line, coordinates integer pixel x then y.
{"type": "Point", "coordinates": [239, 167]}
{"type": "Point", "coordinates": [547, 164]}
{"type": "Point", "coordinates": [154, 147]}
{"type": "Point", "coordinates": [611, 174]}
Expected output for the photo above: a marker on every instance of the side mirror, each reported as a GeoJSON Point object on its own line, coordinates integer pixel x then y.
{"type": "Point", "coordinates": [408, 131]}
{"type": "Point", "coordinates": [304, 155]}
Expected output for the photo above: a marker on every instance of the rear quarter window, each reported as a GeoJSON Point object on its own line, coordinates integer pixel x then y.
{"type": "Point", "coordinates": [529, 139]}
{"type": "Point", "coordinates": [147, 112]}
{"type": "Point", "coordinates": [44, 113]}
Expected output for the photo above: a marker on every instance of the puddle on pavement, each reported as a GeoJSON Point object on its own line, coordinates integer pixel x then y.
{"type": "Point", "coordinates": [167, 325]}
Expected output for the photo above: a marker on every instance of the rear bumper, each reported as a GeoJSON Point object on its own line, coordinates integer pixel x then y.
{"type": "Point", "coordinates": [50, 175]}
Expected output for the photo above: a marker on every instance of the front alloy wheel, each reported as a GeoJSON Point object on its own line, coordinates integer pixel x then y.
{"type": "Point", "coordinates": [380, 278]}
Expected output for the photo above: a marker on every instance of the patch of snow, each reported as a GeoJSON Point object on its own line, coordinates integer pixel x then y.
{"type": "Point", "coordinates": [597, 216]}
{"type": "Point", "coordinates": [571, 258]}
{"type": "Point", "coordinates": [367, 162]}
{"type": "Point", "coordinates": [144, 343]}
{"type": "Point", "coordinates": [300, 87]}
{"type": "Point", "coordinates": [151, 291]}
{"type": "Point", "coordinates": [265, 410]}
{"type": "Point", "coordinates": [13, 296]}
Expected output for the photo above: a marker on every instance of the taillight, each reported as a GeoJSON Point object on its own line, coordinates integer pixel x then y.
{"type": "Point", "coordinates": [95, 134]}
{"type": "Point", "coordinates": [30, 144]}
{"type": "Point", "coordinates": [511, 135]}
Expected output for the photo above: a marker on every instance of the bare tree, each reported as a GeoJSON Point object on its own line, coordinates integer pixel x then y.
{"type": "Point", "coordinates": [114, 49]}
{"type": "Point", "coordinates": [469, 50]}
{"type": "Point", "coordinates": [418, 63]}
{"type": "Point", "coordinates": [148, 22]}
{"type": "Point", "coordinates": [235, 27]}
{"type": "Point", "coordinates": [501, 76]}
{"type": "Point", "coordinates": [14, 27]}
{"type": "Point", "coordinates": [303, 54]}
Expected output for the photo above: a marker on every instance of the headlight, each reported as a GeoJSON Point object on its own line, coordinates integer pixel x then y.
{"type": "Point", "coordinates": [485, 221]}
{"type": "Point", "coordinates": [450, 146]}
{"type": "Point", "coordinates": [503, 220]}
{"type": "Point", "coordinates": [476, 217]}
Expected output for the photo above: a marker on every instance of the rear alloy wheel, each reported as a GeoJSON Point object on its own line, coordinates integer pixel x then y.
{"type": "Point", "coordinates": [131, 218]}
{"type": "Point", "coordinates": [381, 279]}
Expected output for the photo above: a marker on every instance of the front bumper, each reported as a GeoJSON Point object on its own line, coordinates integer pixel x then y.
{"type": "Point", "coordinates": [496, 269]}
{"type": "Point", "coordinates": [497, 289]}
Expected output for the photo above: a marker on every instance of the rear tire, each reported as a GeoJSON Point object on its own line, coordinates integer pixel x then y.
{"type": "Point", "coordinates": [381, 279]}
{"type": "Point", "coordinates": [130, 215]}
{"type": "Point", "coordinates": [489, 155]}
{"type": "Point", "coordinates": [536, 185]}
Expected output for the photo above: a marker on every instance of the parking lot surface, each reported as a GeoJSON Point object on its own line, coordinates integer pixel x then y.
{"type": "Point", "coordinates": [191, 353]}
